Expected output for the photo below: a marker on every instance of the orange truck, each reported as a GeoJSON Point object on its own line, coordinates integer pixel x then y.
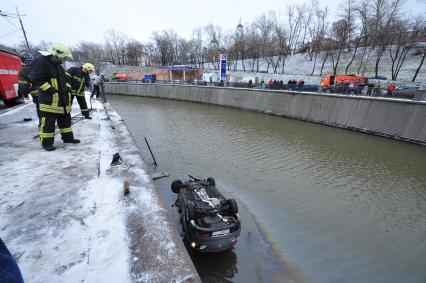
{"type": "Point", "coordinates": [120, 77]}
{"type": "Point", "coordinates": [337, 80]}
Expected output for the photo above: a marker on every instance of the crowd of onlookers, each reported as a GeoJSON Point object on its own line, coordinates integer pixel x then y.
{"type": "Point", "coordinates": [279, 84]}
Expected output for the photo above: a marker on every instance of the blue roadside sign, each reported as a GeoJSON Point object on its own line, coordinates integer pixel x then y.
{"type": "Point", "coordinates": [223, 63]}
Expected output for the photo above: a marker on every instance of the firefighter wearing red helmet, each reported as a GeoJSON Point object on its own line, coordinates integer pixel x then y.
{"type": "Point", "coordinates": [78, 78]}
{"type": "Point", "coordinates": [48, 76]}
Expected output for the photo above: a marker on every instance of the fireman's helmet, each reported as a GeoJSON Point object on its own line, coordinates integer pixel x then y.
{"type": "Point", "coordinates": [88, 68]}
{"type": "Point", "coordinates": [59, 50]}
{"type": "Point", "coordinates": [26, 57]}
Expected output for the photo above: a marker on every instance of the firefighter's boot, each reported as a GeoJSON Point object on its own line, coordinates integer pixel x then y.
{"type": "Point", "coordinates": [72, 141]}
{"type": "Point", "coordinates": [49, 147]}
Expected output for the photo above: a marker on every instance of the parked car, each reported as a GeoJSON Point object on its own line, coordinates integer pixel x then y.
{"type": "Point", "coordinates": [210, 222]}
{"type": "Point", "coordinates": [378, 78]}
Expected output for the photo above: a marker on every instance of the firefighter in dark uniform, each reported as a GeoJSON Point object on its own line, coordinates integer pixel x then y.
{"type": "Point", "coordinates": [25, 87]}
{"type": "Point", "coordinates": [79, 79]}
{"type": "Point", "coordinates": [48, 76]}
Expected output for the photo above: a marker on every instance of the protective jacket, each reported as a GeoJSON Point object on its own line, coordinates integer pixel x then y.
{"type": "Point", "coordinates": [50, 80]}
{"type": "Point", "coordinates": [78, 80]}
{"type": "Point", "coordinates": [25, 87]}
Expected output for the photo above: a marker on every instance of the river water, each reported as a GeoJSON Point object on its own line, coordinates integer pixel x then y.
{"type": "Point", "coordinates": [329, 205]}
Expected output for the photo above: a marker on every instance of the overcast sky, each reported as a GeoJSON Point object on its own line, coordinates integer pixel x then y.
{"type": "Point", "coordinates": [73, 21]}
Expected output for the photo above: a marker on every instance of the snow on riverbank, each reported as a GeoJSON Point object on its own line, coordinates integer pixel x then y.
{"type": "Point", "coordinates": [64, 216]}
{"type": "Point", "coordinates": [61, 222]}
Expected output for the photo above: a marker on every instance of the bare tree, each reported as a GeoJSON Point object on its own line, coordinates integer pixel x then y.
{"type": "Point", "coordinates": [254, 43]}
{"type": "Point", "coordinates": [240, 49]}
{"type": "Point", "coordinates": [33, 49]}
{"type": "Point", "coordinates": [367, 37]}
{"type": "Point", "coordinates": [327, 47]}
{"type": "Point", "coordinates": [282, 44]}
{"type": "Point", "coordinates": [384, 13]}
{"type": "Point", "coordinates": [165, 44]}
{"type": "Point", "coordinates": [264, 25]}
{"type": "Point", "coordinates": [342, 29]}
{"type": "Point", "coordinates": [362, 34]}
{"type": "Point", "coordinates": [90, 52]}
{"type": "Point", "coordinates": [151, 55]}
{"type": "Point", "coordinates": [214, 33]}
{"type": "Point", "coordinates": [295, 15]}
{"type": "Point", "coordinates": [197, 53]}
{"type": "Point", "coordinates": [134, 52]}
{"type": "Point", "coordinates": [317, 30]}
{"type": "Point", "coordinates": [403, 38]}
{"type": "Point", "coordinates": [116, 44]}
{"type": "Point", "coordinates": [420, 28]}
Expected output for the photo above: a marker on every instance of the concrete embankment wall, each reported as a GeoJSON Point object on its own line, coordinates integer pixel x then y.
{"type": "Point", "coordinates": [393, 118]}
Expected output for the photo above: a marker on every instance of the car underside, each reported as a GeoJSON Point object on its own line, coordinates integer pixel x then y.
{"type": "Point", "coordinates": [210, 222]}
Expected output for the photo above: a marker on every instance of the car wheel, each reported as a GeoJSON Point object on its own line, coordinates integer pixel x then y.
{"type": "Point", "coordinates": [176, 186]}
{"type": "Point", "coordinates": [211, 181]}
{"type": "Point", "coordinates": [10, 103]}
{"type": "Point", "coordinates": [233, 207]}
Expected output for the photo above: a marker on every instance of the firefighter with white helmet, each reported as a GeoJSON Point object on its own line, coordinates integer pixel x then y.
{"type": "Point", "coordinates": [48, 76]}
{"type": "Point", "coordinates": [78, 78]}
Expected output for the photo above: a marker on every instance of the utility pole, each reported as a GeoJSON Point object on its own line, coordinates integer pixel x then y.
{"type": "Point", "coordinates": [23, 30]}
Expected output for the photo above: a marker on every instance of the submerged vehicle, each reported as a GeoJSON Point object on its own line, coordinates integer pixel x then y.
{"type": "Point", "coordinates": [210, 222]}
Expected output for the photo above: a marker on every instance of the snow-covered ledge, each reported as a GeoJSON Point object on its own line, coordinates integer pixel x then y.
{"type": "Point", "coordinates": [64, 215]}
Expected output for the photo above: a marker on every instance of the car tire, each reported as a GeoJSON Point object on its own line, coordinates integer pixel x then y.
{"type": "Point", "coordinates": [10, 103]}
{"type": "Point", "coordinates": [233, 207]}
{"type": "Point", "coordinates": [211, 181]}
{"type": "Point", "coordinates": [176, 186]}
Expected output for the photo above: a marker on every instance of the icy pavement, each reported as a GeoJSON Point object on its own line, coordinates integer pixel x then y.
{"type": "Point", "coordinates": [64, 216]}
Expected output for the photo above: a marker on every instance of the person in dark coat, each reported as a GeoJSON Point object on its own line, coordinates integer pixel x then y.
{"type": "Point", "coordinates": [48, 76]}
{"type": "Point", "coordinates": [9, 269]}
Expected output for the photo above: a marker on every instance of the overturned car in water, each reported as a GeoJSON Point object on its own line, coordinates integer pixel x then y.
{"type": "Point", "coordinates": [210, 222]}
